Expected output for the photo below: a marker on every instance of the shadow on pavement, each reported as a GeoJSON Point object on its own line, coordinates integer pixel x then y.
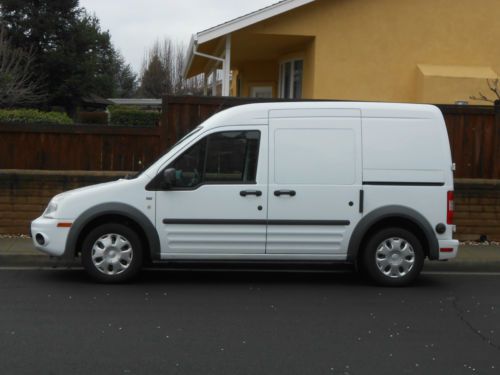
{"type": "Point", "coordinates": [341, 276]}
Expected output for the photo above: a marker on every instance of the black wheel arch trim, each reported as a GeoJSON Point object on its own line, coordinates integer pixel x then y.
{"type": "Point", "coordinates": [388, 212]}
{"type": "Point", "coordinates": [120, 209]}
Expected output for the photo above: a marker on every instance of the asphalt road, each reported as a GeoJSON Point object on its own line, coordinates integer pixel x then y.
{"type": "Point", "coordinates": [184, 322]}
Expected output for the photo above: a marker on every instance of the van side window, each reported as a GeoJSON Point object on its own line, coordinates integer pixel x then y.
{"type": "Point", "coordinates": [232, 157]}
{"type": "Point", "coordinates": [221, 158]}
{"type": "Point", "coordinates": [189, 166]}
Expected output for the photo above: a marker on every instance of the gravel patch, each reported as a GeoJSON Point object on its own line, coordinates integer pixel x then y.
{"type": "Point", "coordinates": [9, 236]}
{"type": "Point", "coordinates": [485, 243]}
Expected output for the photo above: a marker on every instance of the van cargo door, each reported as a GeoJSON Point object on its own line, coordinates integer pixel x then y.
{"type": "Point", "coordinates": [315, 179]}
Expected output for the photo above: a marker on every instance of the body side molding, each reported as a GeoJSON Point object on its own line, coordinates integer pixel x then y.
{"type": "Point", "coordinates": [399, 183]}
{"type": "Point", "coordinates": [255, 222]}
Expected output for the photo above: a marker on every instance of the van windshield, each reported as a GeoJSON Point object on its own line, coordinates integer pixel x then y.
{"type": "Point", "coordinates": [192, 132]}
{"type": "Point", "coordinates": [188, 135]}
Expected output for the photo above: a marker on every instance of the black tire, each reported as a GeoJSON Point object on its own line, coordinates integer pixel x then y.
{"type": "Point", "coordinates": [121, 260]}
{"type": "Point", "coordinates": [398, 268]}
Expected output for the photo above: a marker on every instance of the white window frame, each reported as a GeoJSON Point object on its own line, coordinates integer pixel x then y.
{"type": "Point", "coordinates": [256, 90]}
{"type": "Point", "coordinates": [292, 85]}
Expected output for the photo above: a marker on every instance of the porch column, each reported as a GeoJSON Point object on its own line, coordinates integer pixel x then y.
{"type": "Point", "coordinates": [214, 82]}
{"type": "Point", "coordinates": [205, 84]}
{"type": "Point", "coordinates": [226, 79]}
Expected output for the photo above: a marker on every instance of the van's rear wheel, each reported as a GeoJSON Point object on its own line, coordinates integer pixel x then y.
{"type": "Point", "coordinates": [393, 257]}
{"type": "Point", "coordinates": [112, 253]}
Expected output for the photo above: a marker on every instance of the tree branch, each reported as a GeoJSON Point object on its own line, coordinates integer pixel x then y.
{"type": "Point", "coordinates": [18, 84]}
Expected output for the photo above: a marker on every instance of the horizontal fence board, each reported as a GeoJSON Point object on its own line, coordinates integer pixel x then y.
{"type": "Point", "coordinates": [473, 130]}
{"type": "Point", "coordinates": [79, 129]}
{"type": "Point", "coordinates": [77, 147]}
{"type": "Point", "coordinates": [474, 133]}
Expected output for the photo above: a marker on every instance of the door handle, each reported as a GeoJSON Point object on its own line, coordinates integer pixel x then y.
{"type": "Point", "coordinates": [291, 193]}
{"type": "Point", "coordinates": [246, 193]}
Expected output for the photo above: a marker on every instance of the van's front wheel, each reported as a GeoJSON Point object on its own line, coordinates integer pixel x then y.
{"type": "Point", "coordinates": [393, 257]}
{"type": "Point", "coordinates": [112, 253]}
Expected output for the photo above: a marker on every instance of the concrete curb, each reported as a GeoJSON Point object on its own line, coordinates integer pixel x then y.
{"type": "Point", "coordinates": [41, 261]}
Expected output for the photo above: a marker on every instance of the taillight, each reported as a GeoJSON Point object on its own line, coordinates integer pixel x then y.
{"type": "Point", "coordinates": [446, 250]}
{"type": "Point", "coordinates": [450, 208]}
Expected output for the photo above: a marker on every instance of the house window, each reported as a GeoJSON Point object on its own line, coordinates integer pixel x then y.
{"type": "Point", "coordinates": [291, 73]}
{"type": "Point", "coordinates": [265, 92]}
{"type": "Point", "coordinates": [238, 86]}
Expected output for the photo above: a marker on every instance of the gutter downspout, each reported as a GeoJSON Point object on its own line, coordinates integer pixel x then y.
{"type": "Point", "coordinates": [226, 63]}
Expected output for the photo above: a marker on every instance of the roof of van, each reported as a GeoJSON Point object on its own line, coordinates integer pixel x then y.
{"type": "Point", "coordinates": [255, 114]}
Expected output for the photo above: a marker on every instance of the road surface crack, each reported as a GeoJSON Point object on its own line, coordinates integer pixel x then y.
{"type": "Point", "coordinates": [477, 332]}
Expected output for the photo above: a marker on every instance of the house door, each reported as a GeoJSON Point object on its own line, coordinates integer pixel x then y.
{"type": "Point", "coordinates": [314, 180]}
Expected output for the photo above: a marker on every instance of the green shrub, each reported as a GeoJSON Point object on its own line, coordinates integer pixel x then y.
{"type": "Point", "coordinates": [33, 116]}
{"type": "Point", "coordinates": [99, 118]}
{"type": "Point", "coordinates": [129, 116]}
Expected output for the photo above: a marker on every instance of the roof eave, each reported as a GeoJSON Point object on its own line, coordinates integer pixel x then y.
{"type": "Point", "coordinates": [249, 19]}
{"type": "Point", "coordinates": [189, 56]}
{"type": "Point", "coordinates": [238, 24]}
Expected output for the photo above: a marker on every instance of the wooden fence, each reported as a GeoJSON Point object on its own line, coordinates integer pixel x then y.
{"type": "Point", "coordinates": [183, 113]}
{"type": "Point", "coordinates": [474, 134]}
{"type": "Point", "coordinates": [474, 137]}
{"type": "Point", "coordinates": [77, 147]}
{"type": "Point", "coordinates": [474, 131]}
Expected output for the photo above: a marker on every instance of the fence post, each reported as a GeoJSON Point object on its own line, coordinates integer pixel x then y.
{"type": "Point", "coordinates": [496, 142]}
{"type": "Point", "coordinates": [164, 125]}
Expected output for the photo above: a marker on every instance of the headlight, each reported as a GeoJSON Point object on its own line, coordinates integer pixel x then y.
{"type": "Point", "coordinates": [50, 210]}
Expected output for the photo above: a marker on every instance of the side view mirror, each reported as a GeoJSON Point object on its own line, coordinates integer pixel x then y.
{"type": "Point", "coordinates": [169, 177]}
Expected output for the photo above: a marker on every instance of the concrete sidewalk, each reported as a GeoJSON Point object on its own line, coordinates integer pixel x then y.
{"type": "Point", "coordinates": [19, 252]}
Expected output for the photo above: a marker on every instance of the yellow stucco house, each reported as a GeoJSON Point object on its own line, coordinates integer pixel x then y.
{"type": "Point", "coordinates": [427, 51]}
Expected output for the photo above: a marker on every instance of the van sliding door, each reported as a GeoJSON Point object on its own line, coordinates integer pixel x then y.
{"type": "Point", "coordinates": [315, 179]}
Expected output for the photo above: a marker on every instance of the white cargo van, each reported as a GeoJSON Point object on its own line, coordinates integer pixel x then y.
{"type": "Point", "coordinates": [366, 183]}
